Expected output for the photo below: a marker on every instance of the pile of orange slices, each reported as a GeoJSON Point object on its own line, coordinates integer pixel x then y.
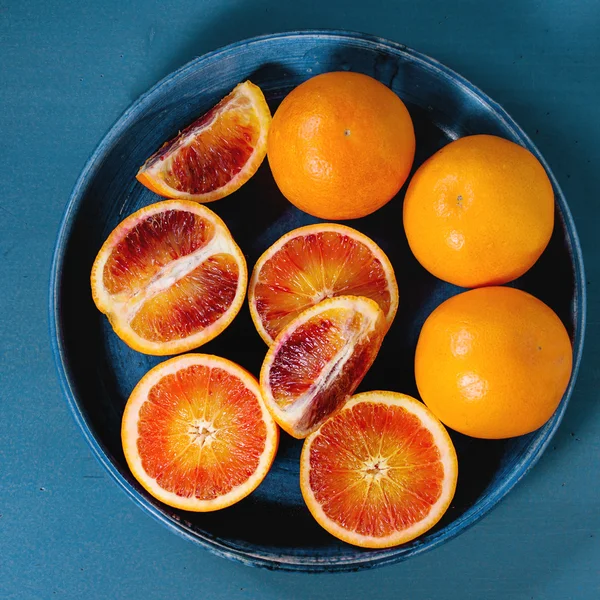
{"type": "Point", "coordinates": [199, 432]}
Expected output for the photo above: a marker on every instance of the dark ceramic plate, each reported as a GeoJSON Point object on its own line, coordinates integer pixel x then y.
{"type": "Point", "coordinates": [272, 528]}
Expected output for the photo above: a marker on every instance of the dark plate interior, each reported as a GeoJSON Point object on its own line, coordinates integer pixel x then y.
{"type": "Point", "coordinates": [272, 527]}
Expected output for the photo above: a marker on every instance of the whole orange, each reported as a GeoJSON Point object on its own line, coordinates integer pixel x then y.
{"type": "Point", "coordinates": [341, 145]}
{"type": "Point", "coordinates": [493, 362]}
{"type": "Point", "coordinates": [479, 212]}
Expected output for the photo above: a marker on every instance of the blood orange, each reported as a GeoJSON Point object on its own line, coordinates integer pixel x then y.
{"type": "Point", "coordinates": [380, 472]}
{"type": "Point", "coordinates": [319, 359]}
{"type": "Point", "coordinates": [169, 277]}
{"type": "Point", "coordinates": [217, 153]}
{"type": "Point", "coordinates": [316, 262]}
{"type": "Point", "coordinates": [196, 433]}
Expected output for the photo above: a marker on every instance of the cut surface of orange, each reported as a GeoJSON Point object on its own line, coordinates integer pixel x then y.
{"type": "Point", "coordinates": [318, 361]}
{"type": "Point", "coordinates": [313, 263]}
{"type": "Point", "coordinates": [170, 277]}
{"type": "Point", "coordinates": [196, 433]}
{"type": "Point", "coordinates": [217, 153]}
{"type": "Point", "coordinates": [380, 472]}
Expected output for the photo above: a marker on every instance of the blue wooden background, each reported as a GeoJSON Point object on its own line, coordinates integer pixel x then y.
{"type": "Point", "coordinates": [67, 71]}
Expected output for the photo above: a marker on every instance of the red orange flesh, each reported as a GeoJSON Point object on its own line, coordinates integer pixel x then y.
{"type": "Point", "coordinates": [318, 361]}
{"type": "Point", "coordinates": [196, 433]}
{"type": "Point", "coordinates": [216, 154]}
{"type": "Point", "coordinates": [313, 263]}
{"type": "Point", "coordinates": [169, 277]}
{"type": "Point", "coordinates": [380, 472]}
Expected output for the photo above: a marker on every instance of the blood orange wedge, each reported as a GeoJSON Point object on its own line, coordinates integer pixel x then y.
{"type": "Point", "coordinates": [380, 472]}
{"type": "Point", "coordinates": [217, 153]}
{"type": "Point", "coordinates": [316, 262]}
{"type": "Point", "coordinates": [319, 359]}
{"type": "Point", "coordinates": [169, 277]}
{"type": "Point", "coordinates": [196, 433]}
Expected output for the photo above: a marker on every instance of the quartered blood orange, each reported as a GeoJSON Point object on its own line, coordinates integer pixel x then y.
{"type": "Point", "coordinates": [380, 472]}
{"type": "Point", "coordinates": [170, 277]}
{"type": "Point", "coordinates": [316, 262]}
{"type": "Point", "coordinates": [217, 153]}
{"type": "Point", "coordinates": [318, 361]}
{"type": "Point", "coordinates": [196, 433]}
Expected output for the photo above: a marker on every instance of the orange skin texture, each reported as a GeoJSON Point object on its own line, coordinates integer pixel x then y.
{"type": "Point", "coordinates": [479, 212]}
{"type": "Point", "coordinates": [341, 145]}
{"type": "Point", "coordinates": [493, 362]}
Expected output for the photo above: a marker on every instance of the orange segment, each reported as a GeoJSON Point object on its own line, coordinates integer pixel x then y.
{"type": "Point", "coordinates": [318, 361]}
{"type": "Point", "coordinates": [196, 433]}
{"type": "Point", "coordinates": [380, 472]}
{"type": "Point", "coordinates": [169, 277]}
{"type": "Point", "coordinates": [217, 153]}
{"type": "Point", "coordinates": [316, 262]}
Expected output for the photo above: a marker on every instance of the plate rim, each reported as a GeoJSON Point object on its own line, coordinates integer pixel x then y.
{"type": "Point", "coordinates": [310, 563]}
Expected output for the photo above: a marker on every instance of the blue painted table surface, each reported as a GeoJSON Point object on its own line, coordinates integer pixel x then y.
{"type": "Point", "coordinates": [67, 71]}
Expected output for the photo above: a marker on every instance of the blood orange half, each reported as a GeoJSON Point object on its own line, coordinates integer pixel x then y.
{"type": "Point", "coordinates": [169, 277]}
{"type": "Point", "coordinates": [380, 472]}
{"type": "Point", "coordinates": [217, 153]}
{"type": "Point", "coordinates": [196, 433]}
{"type": "Point", "coordinates": [316, 262]}
{"type": "Point", "coordinates": [318, 361]}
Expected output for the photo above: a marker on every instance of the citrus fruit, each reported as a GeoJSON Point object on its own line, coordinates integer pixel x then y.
{"type": "Point", "coordinates": [169, 277]}
{"type": "Point", "coordinates": [341, 145]}
{"type": "Point", "coordinates": [319, 359]}
{"type": "Point", "coordinates": [316, 262]}
{"type": "Point", "coordinates": [479, 212]}
{"type": "Point", "coordinates": [196, 433]}
{"type": "Point", "coordinates": [380, 472]}
{"type": "Point", "coordinates": [216, 154]}
{"type": "Point", "coordinates": [493, 362]}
